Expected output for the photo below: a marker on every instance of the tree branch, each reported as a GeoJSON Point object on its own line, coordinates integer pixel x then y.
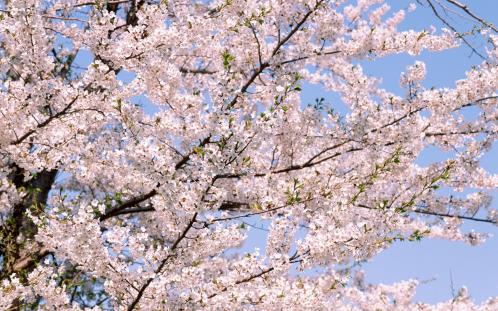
{"type": "Point", "coordinates": [163, 263]}
{"type": "Point", "coordinates": [466, 9]}
{"type": "Point", "coordinates": [121, 209]}
{"type": "Point", "coordinates": [432, 213]}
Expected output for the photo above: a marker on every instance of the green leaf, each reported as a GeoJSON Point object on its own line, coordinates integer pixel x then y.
{"type": "Point", "coordinates": [227, 59]}
{"type": "Point", "coordinates": [199, 151]}
{"type": "Point", "coordinates": [246, 160]}
{"type": "Point", "coordinates": [421, 35]}
{"type": "Point", "coordinates": [256, 206]}
{"type": "Point", "coordinates": [118, 197]}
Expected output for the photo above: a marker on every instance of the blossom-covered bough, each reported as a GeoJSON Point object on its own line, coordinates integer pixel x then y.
{"type": "Point", "coordinates": [109, 204]}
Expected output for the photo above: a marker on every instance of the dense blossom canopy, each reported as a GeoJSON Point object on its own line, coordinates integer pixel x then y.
{"type": "Point", "coordinates": [109, 204]}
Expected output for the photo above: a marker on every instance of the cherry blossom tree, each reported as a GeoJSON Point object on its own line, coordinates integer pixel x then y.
{"type": "Point", "coordinates": [107, 204]}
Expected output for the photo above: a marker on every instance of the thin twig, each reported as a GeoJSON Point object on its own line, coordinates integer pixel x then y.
{"type": "Point", "coordinates": [466, 9]}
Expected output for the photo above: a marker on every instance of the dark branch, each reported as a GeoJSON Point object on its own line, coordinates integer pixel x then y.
{"type": "Point", "coordinates": [466, 9]}
{"type": "Point", "coordinates": [122, 209]}
{"type": "Point", "coordinates": [432, 213]}
{"type": "Point", "coordinates": [264, 65]}
{"type": "Point", "coordinates": [185, 159]}
{"type": "Point", "coordinates": [46, 122]}
{"type": "Point", "coordinates": [163, 263]}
